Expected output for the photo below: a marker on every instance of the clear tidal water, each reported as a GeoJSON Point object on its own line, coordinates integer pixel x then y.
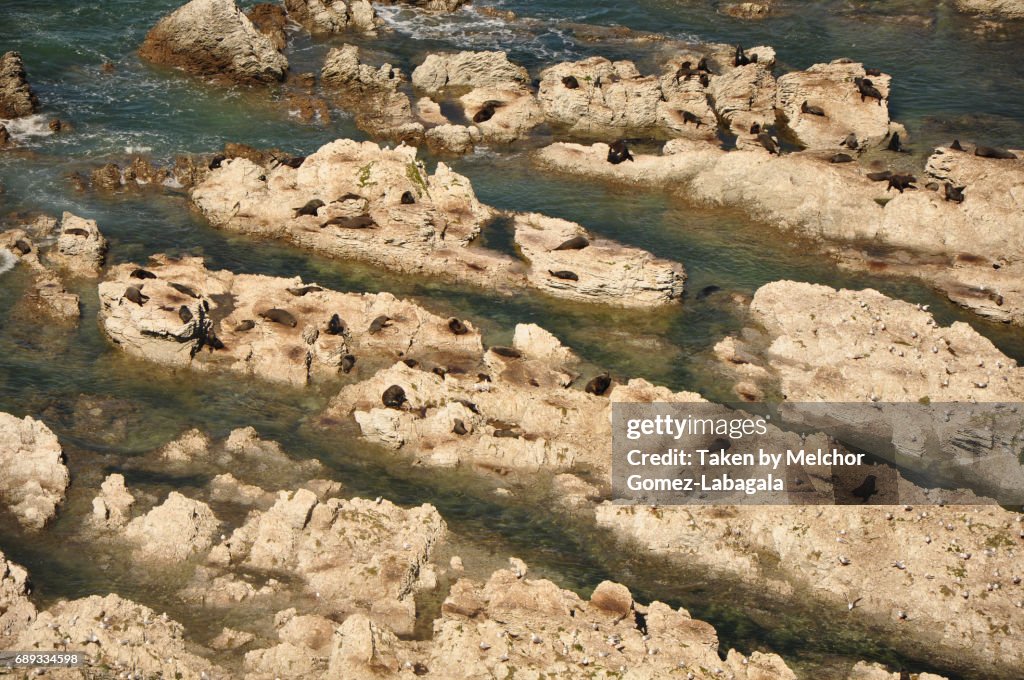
{"type": "Point", "coordinates": [948, 82]}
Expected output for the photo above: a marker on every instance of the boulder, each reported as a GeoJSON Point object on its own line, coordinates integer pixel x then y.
{"type": "Point", "coordinates": [16, 611]}
{"type": "Point", "coordinates": [16, 97]}
{"type": "Point", "coordinates": [173, 531]}
{"type": "Point", "coordinates": [112, 506]}
{"type": "Point", "coordinates": [469, 70]}
{"type": "Point", "coordinates": [270, 20]}
{"type": "Point", "coordinates": [81, 247]}
{"type": "Point", "coordinates": [48, 291]}
{"type": "Point", "coordinates": [32, 472]}
{"type": "Point", "coordinates": [214, 38]}
{"type": "Point", "coordinates": [1004, 9]}
{"type": "Point", "coordinates": [333, 16]}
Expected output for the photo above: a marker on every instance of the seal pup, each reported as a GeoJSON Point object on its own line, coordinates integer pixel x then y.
{"type": "Point", "coordinates": [22, 246]}
{"type": "Point", "coordinates": [812, 110]}
{"type": "Point", "coordinates": [408, 198]}
{"type": "Point", "coordinates": [459, 427]}
{"type": "Point", "coordinates": [304, 290]}
{"type": "Point", "coordinates": [133, 294]}
{"type": "Point", "coordinates": [770, 143]}
{"type": "Point", "coordinates": [955, 194]}
{"type": "Point", "coordinates": [379, 324]}
{"type": "Point", "coordinates": [506, 352]}
{"type": "Point", "coordinates": [245, 325]}
{"type": "Point", "coordinates": [294, 162]}
{"type": "Point", "coordinates": [867, 89]}
{"type": "Point", "coordinates": [992, 152]}
{"type": "Point", "coordinates": [363, 221]}
{"type": "Point", "coordinates": [618, 152]}
{"type": "Point", "coordinates": [394, 397]}
{"type": "Point", "coordinates": [880, 176]}
{"type": "Point", "coordinates": [850, 142]}
{"type": "Point", "coordinates": [895, 144]}
{"type": "Point", "coordinates": [486, 112]}
{"type": "Point", "coordinates": [348, 361]}
{"type": "Point", "coordinates": [575, 243]}
{"type": "Point", "coordinates": [570, 82]}
{"type": "Point", "coordinates": [75, 231]}
{"type": "Point", "coordinates": [841, 158]}
{"type": "Point", "coordinates": [411, 363]}
{"type": "Point", "coordinates": [564, 274]}
{"type": "Point", "coordinates": [349, 197]}
{"type": "Point", "coordinates": [335, 326]}
{"type": "Point", "coordinates": [955, 146]}
{"type": "Point", "coordinates": [901, 182]}
{"type": "Point", "coordinates": [866, 489]}
{"type": "Point", "coordinates": [184, 290]}
{"type": "Point", "coordinates": [310, 208]}
{"type": "Point", "coordinates": [142, 274]}
{"type": "Point", "coordinates": [685, 72]}
{"type": "Point", "coordinates": [691, 118]}
{"type": "Point", "coordinates": [741, 58]}
{"type": "Point", "coordinates": [216, 161]}
{"type": "Point", "coordinates": [874, 72]}
{"type": "Point", "coordinates": [599, 384]}
{"type": "Point", "coordinates": [457, 327]}
{"type": "Point", "coordinates": [279, 316]}
{"type": "Point", "coordinates": [184, 313]}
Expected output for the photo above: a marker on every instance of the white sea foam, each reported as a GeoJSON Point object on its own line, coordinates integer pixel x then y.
{"type": "Point", "coordinates": [26, 127]}
{"type": "Point", "coordinates": [7, 260]}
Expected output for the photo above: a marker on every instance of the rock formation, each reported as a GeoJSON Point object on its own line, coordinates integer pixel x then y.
{"type": "Point", "coordinates": [214, 38]}
{"type": "Point", "coordinates": [1005, 9]}
{"type": "Point", "coordinates": [81, 247]}
{"type": "Point", "coordinates": [332, 16]}
{"type": "Point", "coordinates": [468, 70]}
{"type": "Point", "coordinates": [32, 473]}
{"type": "Point", "coordinates": [16, 97]}
{"type": "Point", "coordinates": [173, 531]}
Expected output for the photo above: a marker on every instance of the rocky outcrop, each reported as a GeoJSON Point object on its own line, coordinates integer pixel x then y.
{"type": "Point", "coordinates": [117, 636]}
{"type": "Point", "coordinates": [112, 506]}
{"type": "Point", "coordinates": [973, 253]}
{"type": "Point", "coordinates": [358, 200]}
{"type": "Point", "coordinates": [214, 38]}
{"type": "Point", "coordinates": [270, 20]}
{"type": "Point", "coordinates": [372, 94]}
{"type": "Point", "coordinates": [1006, 9]}
{"type": "Point", "coordinates": [16, 97]}
{"type": "Point", "coordinates": [332, 16]}
{"type": "Point", "coordinates": [277, 329]}
{"type": "Point", "coordinates": [950, 573]}
{"type": "Point", "coordinates": [16, 611]}
{"type": "Point", "coordinates": [173, 531]}
{"type": "Point", "coordinates": [23, 245]}
{"type": "Point", "coordinates": [32, 472]}
{"type": "Point", "coordinates": [744, 96]}
{"type": "Point", "coordinates": [80, 248]}
{"type": "Point", "coordinates": [353, 554]}
{"type": "Point", "coordinates": [830, 89]}
{"type": "Point", "coordinates": [468, 70]}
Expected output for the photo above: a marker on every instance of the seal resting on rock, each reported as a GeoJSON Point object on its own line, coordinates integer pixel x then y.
{"type": "Point", "coordinates": [408, 198]}
{"type": "Point", "coordinates": [866, 489]}
{"type": "Point", "coordinates": [867, 89]}
{"type": "Point", "coordinates": [133, 294]}
{"type": "Point", "coordinates": [691, 118]}
{"type": "Point", "coordinates": [23, 246]}
{"type": "Point", "coordinates": [564, 274]}
{"type": "Point", "coordinates": [184, 313]}
{"type": "Point", "coordinates": [75, 231]}
{"type": "Point", "coordinates": [184, 290]}
{"type": "Point", "coordinates": [279, 316]}
{"type": "Point", "coordinates": [850, 142]}
{"type": "Point", "coordinates": [570, 82]}
{"type": "Point", "coordinates": [895, 144]}
{"type": "Point", "coordinates": [394, 397]}
{"type": "Point", "coordinates": [486, 112]}
{"type": "Point", "coordinates": [335, 326]}
{"type": "Point", "coordinates": [618, 152]}
{"type": "Point", "coordinates": [599, 384]}
{"type": "Point", "coordinates": [575, 243]}
{"type": "Point", "coordinates": [992, 152]}
{"type": "Point", "coordinates": [304, 290]}
{"type": "Point", "coordinates": [507, 352]}
{"type": "Point", "coordinates": [955, 146]}
{"type": "Point", "coordinates": [457, 327]}
{"type": "Point", "coordinates": [216, 161]}
{"type": "Point", "coordinates": [363, 221]}
{"type": "Point", "coordinates": [901, 182]}
{"type": "Point", "coordinates": [379, 324]}
{"type": "Point", "coordinates": [294, 162]}
{"type": "Point", "coordinates": [880, 176]}
{"type": "Point", "coordinates": [459, 427]}
{"type": "Point", "coordinates": [310, 208]}
{"type": "Point", "coordinates": [348, 362]}
{"type": "Point", "coordinates": [955, 194]}
{"type": "Point", "coordinates": [770, 143]}
{"type": "Point", "coordinates": [812, 110]}
{"type": "Point", "coordinates": [142, 274]}
{"type": "Point", "coordinates": [245, 325]}
{"type": "Point", "coordinates": [841, 158]}
{"type": "Point", "coordinates": [741, 58]}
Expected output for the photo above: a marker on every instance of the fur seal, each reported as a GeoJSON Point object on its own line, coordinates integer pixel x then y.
{"type": "Point", "coordinates": [379, 324]}
{"type": "Point", "coordinates": [618, 152]}
{"type": "Point", "coordinates": [874, 72]}
{"type": "Point", "coordinates": [486, 112]}
{"type": "Point", "coordinates": [294, 162]}
{"type": "Point", "coordinates": [348, 197]}
{"type": "Point", "coordinates": [895, 144]}
{"type": "Point", "coordinates": [439, 371]}
{"type": "Point", "coordinates": [348, 361]}
{"type": "Point", "coordinates": [335, 326]}
{"type": "Point", "coordinates": [505, 432]}
{"type": "Point", "coordinates": [841, 158]}
{"type": "Point", "coordinates": [955, 194]}
{"type": "Point", "coordinates": [881, 176]}
{"type": "Point", "coordinates": [133, 294]}
{"type": "Point", "coordinates": [411, 363]}
{"type": "Point", "coordinates": [599, 384]}
{"type": "Point", "coordinates": [575, 243]}
{"type": "Point", "coordinates": [184, 290]}
{"type": "Point", "coordinates": [955, 146]}
{"type": "Point", "coordinates": [459, 427]}
{"type": "Point", "coordinates": [216, 161]}
{"type": "Point", "coordinates": [867, 89]}
{"type": "Point", "coordinates": [245, 325]}
{"type": "Point", "coordinates": [310, 208]}
{"type": "Point", "coordinates": [408, 198]}
{"type": "Point", "coordinates": [23, 246]}
{"type": "Point", "coordinates": [702, 65]}
{"type": "Point", "coordinates": [279, 316]}
{"type": "Point", "coordinates": [483, 377]}
{"type": "Point", "coordinates": [901, 182]}
{"type": "Point", "coordinates": [507, 352]}
{"type": "Point", "coordinates": [685, 72]}
{"type": "Point", "coordinates": [691, 118]}
{"type": "Point", "coordinates": [704, 80]}
{"type": "Point", "coordinates": [363, 221]}
{"type": "Point", "coordinates": [812, 110]}
{"type": "Point", "coordinates": [741, 58]}
{"type": "Point", "coordinates": [75, 231]}
{"type": "Point", "coordinates": [564, 274]}
{"type": "Point", "coordinates": [866, 489]}
{"type": "Point", "coordinates": [184, 313]}
{"type": "Point", "coordinates": [850, 142]}
{"type": "Point", "coordinates": [706, 291]}
{"type": "Point", "coordinates": [770, 143]}
{"type": "Point", "coordinates": [570, 82]}
{"type": "Point", "coordinates": [303, 290]}
{"type": "Point", "coordinates": [992, 152]}
{"type": "Point", "coordinates": [755, 129]}
{"type": "Point", "coordinates": [142, 274]}
{"type": "Point", "coordinates": [457, 327]}
{"type": "Point", "coordinates": [394, 397]}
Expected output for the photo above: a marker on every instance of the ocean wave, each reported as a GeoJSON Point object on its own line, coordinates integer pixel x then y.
{"type": "Point", "coordinates": [7, 260]}
{"type": "Point", "coordinates": [27, 127]}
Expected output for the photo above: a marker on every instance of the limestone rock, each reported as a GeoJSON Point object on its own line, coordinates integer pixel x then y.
{"type": "Point", "coordinates": [174, 531]}
{"type": "Point", "coordinates": [16, 97]}
{"type": "Point", "coordinates": [270, 20]}
{"type": "Point", "coordinates": [32, 472]}
{"type": "Point", "coordinates": [112, 506]}
{"type": "Point", "coordinates": [214, 38]}
{"type": "Point", "coordinates": [332, 16]}
{"type": "Point", "coordinates": [1006, 9]}
{"type": "Point", "coordinates": [81, 247]}
{"type": "Point", "coordinates": [16, 611]}
{"type": "Point", "coordinates": [468, 70]}
{"type": "Point", "coordinates": [371, 93]}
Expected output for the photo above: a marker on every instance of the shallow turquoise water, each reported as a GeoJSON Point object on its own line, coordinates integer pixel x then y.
{"type": "Point", "coordinates": [948, 82]}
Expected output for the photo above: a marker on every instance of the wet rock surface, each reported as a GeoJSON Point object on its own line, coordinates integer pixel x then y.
{"type": "Point", "coordinates": [214, 38]}
{"type": "Point", "coordinates": [16, 96]}
{"type": "Point", "coordinates": [332, 16]}
{"type": "Point", "coordinates": [32, 472]}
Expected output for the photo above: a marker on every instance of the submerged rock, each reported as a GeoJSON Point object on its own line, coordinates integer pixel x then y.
{"type": "Point", "coordinates": [23, 245]}
{"type": "Point", "coordinates": [32, 472]}
{"type": "Point", "coordinates": [112, 506]}
{"type": "Point", "coordinates": [16, 97]}
{"type": "Point", "coordinates": [214, 38]}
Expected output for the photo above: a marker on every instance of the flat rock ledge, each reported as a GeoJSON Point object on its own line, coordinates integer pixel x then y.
{"type": "Point", "coordinates": [32, 472]}
{"type": "Point", "coordinates": [273, 328]}
{"type": "Point", "coordinates": [214, 38]}
{"type": "Point", "coordinates": [358, 200]}
{"type": "Point", "coordinates": [972, 251]}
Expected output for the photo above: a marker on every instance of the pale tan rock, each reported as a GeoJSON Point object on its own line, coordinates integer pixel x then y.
{"type": "Point", "coordinates": [333, 16]}
{"type": "Point", "coordinates": [749, 10]}
{"type": "Point", "coordinates": [1005, 9]}
{"type": "Point", "coordinates": [32, 472]}
{"type": "Point", "coordinates": [112, 506]}
{"type": "Point", "coordinates": [469, 70]}
{"type": "Point", "coordinates": [191, 446]}
{"type": "Point", "coordinates": [81, 247]}
{"type": "Point", "coordinates": [538, 343]}
{"type": "Point", "coordinates": [48, 290]}
{"type": "Point", "coordinates": [516, 113]}
{"type": "Point", "coordinates": [229, 639]}
{"type": "Point", "coordinates": [744, 96]}
{"type": "Point", "coordinates": [214, 38]}
{"type": "Point", "coordinates": [16, 611]}
{"type": "Point", "coordinates": [173, 531]}
{"type": "Point", "coordinates": [456, 139]}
